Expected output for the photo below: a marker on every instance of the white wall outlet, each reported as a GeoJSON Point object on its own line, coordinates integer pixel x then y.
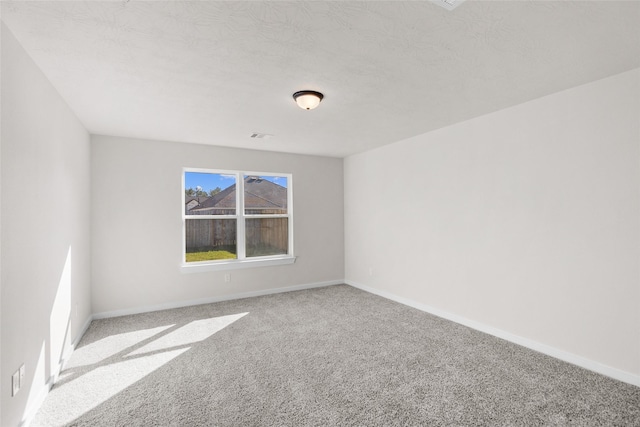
{"type": "Point", "coordinates": [22, 372]}
{"type": "Point", "coordinates": [15, 383]}
{"type": "Point", "coordinates": [370, 271]}
{"type": "Point", "coordinates": [227, 277]}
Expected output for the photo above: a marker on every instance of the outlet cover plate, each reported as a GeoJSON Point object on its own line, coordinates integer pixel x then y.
{"type": "Point", "coordinates": [15, 383]}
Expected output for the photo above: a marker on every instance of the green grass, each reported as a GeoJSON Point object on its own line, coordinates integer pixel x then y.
{"type": "Point", "coordinates": [209, 256]}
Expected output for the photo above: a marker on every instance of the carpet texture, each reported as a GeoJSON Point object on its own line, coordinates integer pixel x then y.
{"type": "Point", "coordinates": [333, 356]}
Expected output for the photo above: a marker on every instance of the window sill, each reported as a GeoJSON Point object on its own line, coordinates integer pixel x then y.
{"type": "Point", "coordinates": [200, 267]}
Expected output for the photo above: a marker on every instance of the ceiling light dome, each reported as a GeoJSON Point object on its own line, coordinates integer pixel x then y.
{"type": "Point", "coordinates": [308, 99]}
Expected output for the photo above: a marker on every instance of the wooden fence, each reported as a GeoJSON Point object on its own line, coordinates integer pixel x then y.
{"type": "Point", "coordinates": [265, 236]}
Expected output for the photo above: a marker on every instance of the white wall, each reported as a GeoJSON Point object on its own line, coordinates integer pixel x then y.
{"type": "Point", "coordinates": [45, 229]}
{"type": "Point", "coordinates": [525, 221]}
{"type": "Point", "coordinates": [137, 225]}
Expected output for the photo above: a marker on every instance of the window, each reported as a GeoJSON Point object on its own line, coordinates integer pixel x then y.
{"type": "Point", "coordinates": [233, 219]}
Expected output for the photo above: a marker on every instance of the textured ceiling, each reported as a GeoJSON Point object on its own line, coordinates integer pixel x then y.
{"type": "Point", "coordinates": [215, 72]}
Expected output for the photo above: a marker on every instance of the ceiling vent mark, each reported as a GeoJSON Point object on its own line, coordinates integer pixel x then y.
{"type": "Point", "coordinates": [257, 135]}
{"type": "Point", "coordinates": [448, 4]}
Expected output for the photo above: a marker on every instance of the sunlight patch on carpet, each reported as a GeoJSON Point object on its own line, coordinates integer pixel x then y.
{"type": "Point", "coordinates": [106, 347]}
{"type": "Point", "coordinates": [196, 331]}
{"type": "Point", "coordinates": [97, 386]}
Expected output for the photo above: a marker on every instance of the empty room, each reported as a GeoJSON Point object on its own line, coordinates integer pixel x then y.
{"type": "Point", "coordinates": [320, 213]}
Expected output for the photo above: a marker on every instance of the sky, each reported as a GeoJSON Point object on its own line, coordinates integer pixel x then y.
{"type": "Point", "coordinates": [209, 181]}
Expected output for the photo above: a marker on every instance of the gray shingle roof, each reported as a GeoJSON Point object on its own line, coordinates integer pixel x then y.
{"type": "Point", "coordinates": [260, 194]}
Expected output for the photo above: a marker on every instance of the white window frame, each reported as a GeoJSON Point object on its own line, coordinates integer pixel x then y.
{"type": "Point", "coordinates": [242, 261]}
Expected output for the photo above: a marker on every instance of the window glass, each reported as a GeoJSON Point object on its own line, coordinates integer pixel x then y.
{"type": "Point", "coordinates": [210, 239]}
{"type": "Point", "coordinates": [267, 236]}
{"type": "Point", "coordinates": [209, 193]}
{"type": "Point", "coordinates": [265, 194]}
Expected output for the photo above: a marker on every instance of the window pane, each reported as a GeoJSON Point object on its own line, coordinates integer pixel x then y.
{"type": "Point", "coordinates": [265, 195]}
{"type": "Point", "coordinates": [209, 193]}
{"type": "Point", "coordinates": [267, 236]}
{"type": "Point", "coordinates": [210, 239]}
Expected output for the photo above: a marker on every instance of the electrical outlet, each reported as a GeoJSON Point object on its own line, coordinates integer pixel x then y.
{"type": "Point", "coordinates": [22, 372]}
{"type": "Point", "coordinates": [15, 383]}
{"type": "Point", "coordinates": [227, 277]}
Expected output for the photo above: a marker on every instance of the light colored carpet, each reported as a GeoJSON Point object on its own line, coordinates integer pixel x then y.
{"type": "Point", "coordinates": [320, 357]}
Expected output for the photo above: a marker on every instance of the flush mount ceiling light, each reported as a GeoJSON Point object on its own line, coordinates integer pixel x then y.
{"type": "Point", "coordinates": [308, 99]}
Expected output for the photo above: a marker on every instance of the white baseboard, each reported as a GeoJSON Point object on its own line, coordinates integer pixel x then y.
{"type": "Point", "coordinates": [83, 330]}
{"type": "Point", "coordinates": [31, 411]}
{"type": "Point", "coordinates": [178, 304]}
{"type": "Point", "coordinates": [574, 359]}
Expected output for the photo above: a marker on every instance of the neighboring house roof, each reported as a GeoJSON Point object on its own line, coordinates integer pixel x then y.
{"type": "Point", "coordinates": [198, 199]}
{"type": "Point", "coordinates": [259, 194]}
{"type": "Point", "coordinates": [192, 201]}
